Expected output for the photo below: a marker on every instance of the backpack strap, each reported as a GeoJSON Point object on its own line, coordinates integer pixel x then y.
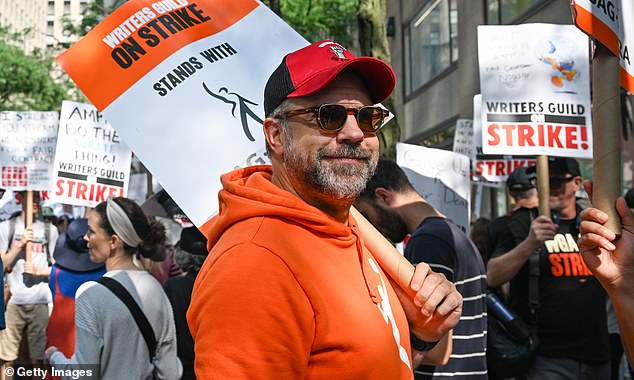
{"type": "Point", "coordinates": [141, 320]}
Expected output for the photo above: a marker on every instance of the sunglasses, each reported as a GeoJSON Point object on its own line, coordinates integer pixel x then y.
{"type": "Point", "coordinates": [555, 182]}
{"type": "Point", "coordinates": [332, 117]}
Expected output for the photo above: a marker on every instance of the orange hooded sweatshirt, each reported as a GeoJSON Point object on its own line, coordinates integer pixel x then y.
{"type": "Point", "coordinates": [287, 292]}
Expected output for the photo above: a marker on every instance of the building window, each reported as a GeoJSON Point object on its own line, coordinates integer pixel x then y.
{"type": "Point", "coordinates": [50, 28]}
{"type": "Point", "coordinates": [507, 11]}
{"type": "Point", "coordinates": [51, 7]}
{"type": "Point", "coordinates": [431, 43]}
{"type": "Point", "coordinates": [66, 7]}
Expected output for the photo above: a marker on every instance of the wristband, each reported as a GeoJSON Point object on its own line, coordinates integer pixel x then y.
{"type": "Point", "coordinates": [419, 344]}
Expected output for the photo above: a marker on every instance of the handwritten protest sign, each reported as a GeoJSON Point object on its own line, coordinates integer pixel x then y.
{"type": "Point", "coordinates": [440, 177]}
{"type": "Point", "coordinates": [92, 163]}
{"type": "Point", "coordinates": [27, 149]}
{"type": "Point", "coordinates": [535, 90]}
{"type": "Point", "coordinates": [182, 82]}
{"type": "Point", "coordinates": [463, 138]}
{"type": "Point", "coordinates": [610, 22]}
{"type": "Point", "coordinates": [491, 170]}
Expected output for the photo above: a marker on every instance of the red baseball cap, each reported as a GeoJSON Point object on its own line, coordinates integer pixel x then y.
{"type": "Point", "coordinates": [309, 69]}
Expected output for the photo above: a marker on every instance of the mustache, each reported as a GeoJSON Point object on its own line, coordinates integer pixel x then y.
{"type": "Point", "coordinates": [347, 151]}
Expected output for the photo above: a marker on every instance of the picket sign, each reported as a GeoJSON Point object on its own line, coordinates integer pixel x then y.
{"type": "Point", "coordinates": [610, 22]}
{"type": "Point", "coordinates": [27, 149]}
{"type": "Point", "coordinates": [91, 160]}
{"type": "Point", "coordinates": [535, 90]}
{"type": "Point", "coordinates": [441, 178]}
{"type": "Point", "coordinates": [186, 98]}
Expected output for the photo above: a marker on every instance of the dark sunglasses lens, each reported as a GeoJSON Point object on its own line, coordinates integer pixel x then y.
{"type": "Point", "coordinates": [332, 116]}
{"type": "Point", "coordinates": [370, 119]}
{"type": "Point", "coordinates": [556, 183]}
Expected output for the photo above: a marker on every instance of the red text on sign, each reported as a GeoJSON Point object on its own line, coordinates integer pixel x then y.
{"type": "Point", "coordinates": [86, 191]}
{"type": "Point", "coordinates": [541, 135]}
{"type": "Point", "coordinates": [500, 168]}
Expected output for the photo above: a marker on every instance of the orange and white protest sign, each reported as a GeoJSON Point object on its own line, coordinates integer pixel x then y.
{"type": "Point", "coordinates": [182, 82]}
{"type": "Point", "coordinates": [610, 22]}
{"type": "Point", "coordinates": [91, 163]}
{"type": "Point", "coordinates": [535, 88]}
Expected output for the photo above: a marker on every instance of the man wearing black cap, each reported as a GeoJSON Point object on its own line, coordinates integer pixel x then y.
{"type": "Point", "coordinates": [566, 304]}
{"type": "Point", "coordinates": [289, 290]}
{"type": "Point", "coordinates": [521, 187]}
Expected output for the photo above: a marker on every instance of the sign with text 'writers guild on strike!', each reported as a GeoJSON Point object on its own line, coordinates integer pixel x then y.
{"type": "Point", "coordinates": [92, 163]}
{"type": "Point", "coordinates": [441, 178]}
{"type": "Point", "coordinates": [182, 82]}
{"type": "Point", "coordinates": [27, 149]}
{"type": "Point", "coordinates": [535, 88]}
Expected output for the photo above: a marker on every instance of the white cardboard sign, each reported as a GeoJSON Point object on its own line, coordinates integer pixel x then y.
{"type": "Point", "coordinates": [27, 149]}
{"type": "Point", "coordinates": [535, 88]}
{"type": "Point", "coordinates": [441, 178]}
{"type": "Point", "coordinates": [92, 162]}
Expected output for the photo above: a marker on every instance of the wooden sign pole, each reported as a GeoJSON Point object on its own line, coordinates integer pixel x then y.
{"type": "Point", "coordinates": [392, 262]}
{"type": "Point", "coordinates": [606, 135]}
{"type": "Point", "coordinates": [29, 222]}
{"type": "Point", "coordinates": [543, 185]}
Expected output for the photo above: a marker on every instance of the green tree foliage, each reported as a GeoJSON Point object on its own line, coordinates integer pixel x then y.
{"type": "Point", "coordinates": [322, 19]}
{"type": "Point", "coordinates": [92, 15]}
{"type": "Point", "coordinates": [26, 81]}
{"type": "Point", "coordinates": [373, 42]}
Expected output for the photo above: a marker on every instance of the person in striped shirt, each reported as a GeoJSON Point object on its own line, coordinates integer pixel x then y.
{"type": "Point", "coordinates": [393, 206]}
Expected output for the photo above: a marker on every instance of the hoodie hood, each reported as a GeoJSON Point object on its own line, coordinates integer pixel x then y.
{"type": "Point", "coordinates": [249, 192]}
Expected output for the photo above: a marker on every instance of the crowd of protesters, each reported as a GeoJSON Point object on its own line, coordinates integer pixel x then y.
{"type": "Point", "coordinates": [57, 313]}
{"type": "Point", "coordinates": [288, 290]}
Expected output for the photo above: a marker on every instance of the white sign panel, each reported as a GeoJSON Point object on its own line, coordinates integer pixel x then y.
{"type": "Point", "coordinates": [92, 162]}
{"type": "Point", "coordinates": [535, 88]}
{"type": "Point", "coordinates": [27, 149]}
{"type": "Point", "coordinates": [441, 178]}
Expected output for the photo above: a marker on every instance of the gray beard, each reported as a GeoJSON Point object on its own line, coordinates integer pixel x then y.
{"type": "Point", "coordinates": [336, 181]}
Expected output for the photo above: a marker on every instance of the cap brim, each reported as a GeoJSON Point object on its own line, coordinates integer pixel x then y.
{"type": "Point", "coordinates": [377, 75]}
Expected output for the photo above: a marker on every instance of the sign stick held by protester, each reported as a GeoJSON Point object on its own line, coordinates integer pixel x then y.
{"type": "Point", "coordinates": [543, 185]}
{"type": "Point", "coordinates": [606, 113]}
{"type": "Point", "coordinates": [29, 223]}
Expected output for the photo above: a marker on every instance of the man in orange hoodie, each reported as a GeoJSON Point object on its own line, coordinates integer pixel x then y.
{"type": "Point", "coordinates": [289, 290]}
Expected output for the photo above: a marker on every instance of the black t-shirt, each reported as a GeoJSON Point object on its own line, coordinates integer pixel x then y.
{"type": "Point", "coordinates": [571, 319]}
{"type": "Point", "coordinates": [441, 244]}
{"type": "Point", "coordinates": [495, 231]}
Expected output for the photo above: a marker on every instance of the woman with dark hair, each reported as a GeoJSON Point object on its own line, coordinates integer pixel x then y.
{"type": "Point", "coordinates": [107, 334]}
